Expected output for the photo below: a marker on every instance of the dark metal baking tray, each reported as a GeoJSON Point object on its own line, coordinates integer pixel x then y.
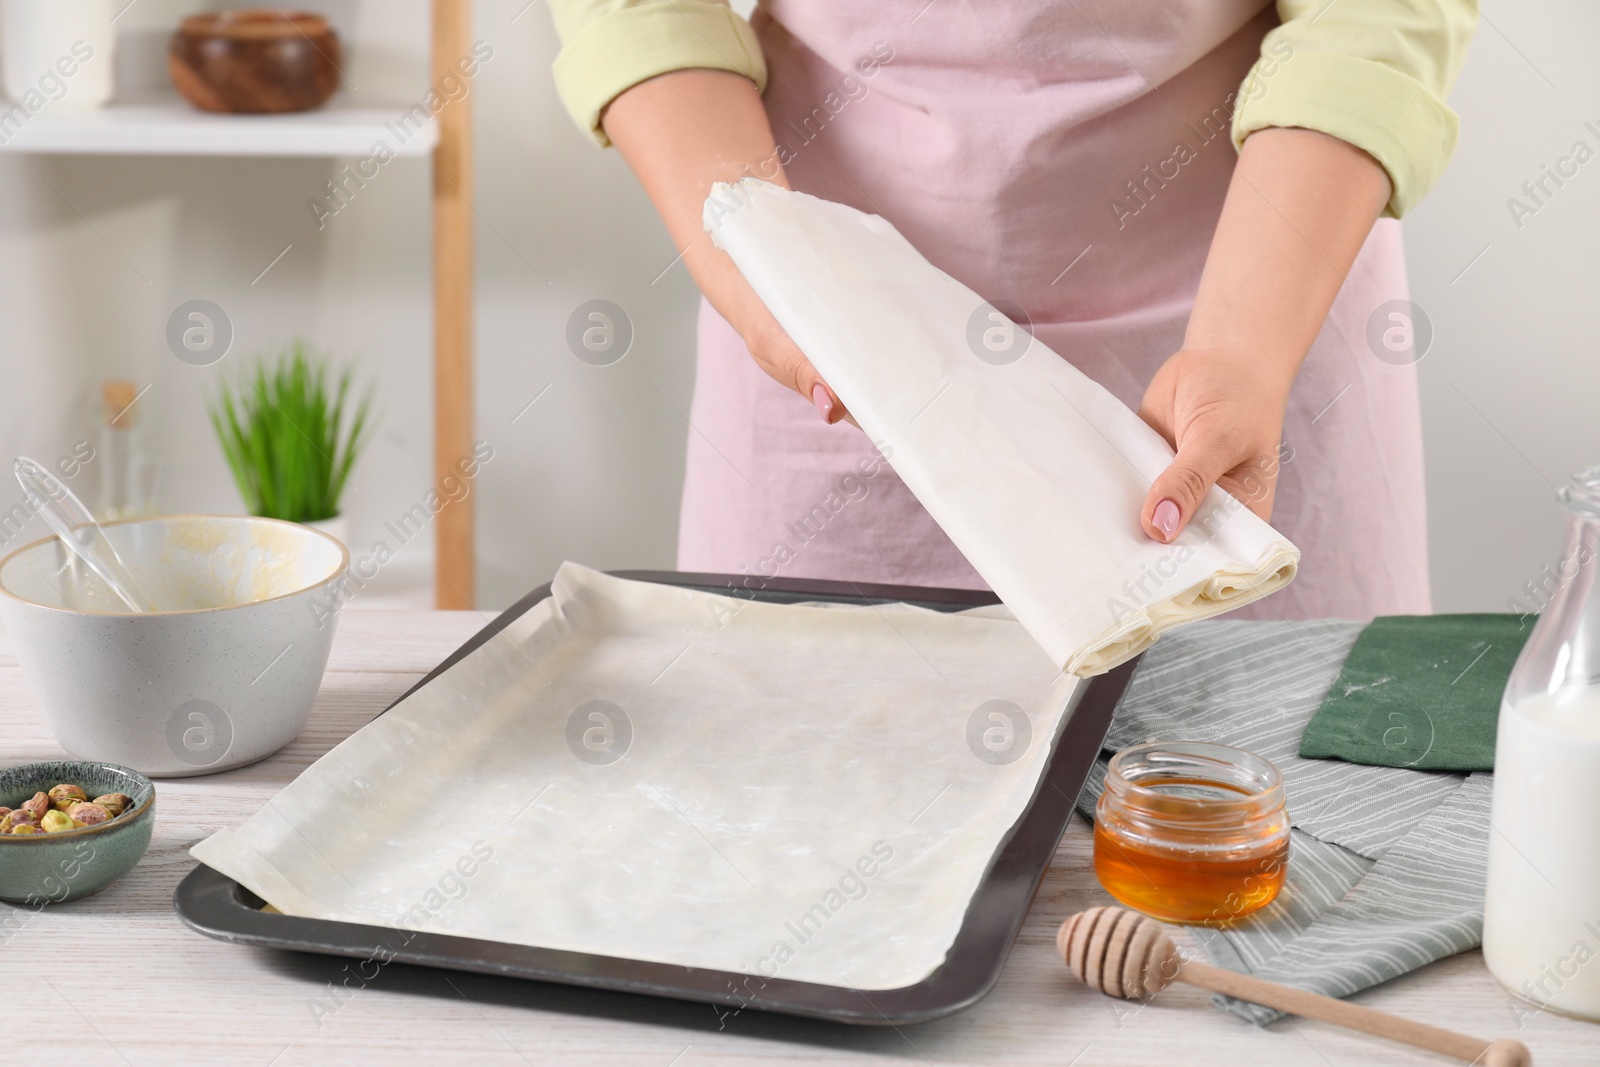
{"type": "Point", "coordinates": [219, 907]}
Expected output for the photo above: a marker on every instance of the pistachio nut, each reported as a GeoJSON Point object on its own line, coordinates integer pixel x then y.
{"type": "Point", "coordinates": [64, 795]}
{"type": "Point", "coordinates": [115, 803]}
{"type": "Point", "coordinates": [88, 814]}
{"type": "Point", "coordinates": [37, 805]}
{"type": "Point", "coordinates": [54, 822]}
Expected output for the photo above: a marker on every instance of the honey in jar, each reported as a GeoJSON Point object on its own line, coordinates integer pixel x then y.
{"type": "Point", "coordinates": [1192, 832]}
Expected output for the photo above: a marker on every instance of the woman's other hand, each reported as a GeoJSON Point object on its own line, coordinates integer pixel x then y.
{"type": "Point", "coordinates": [1298, 210]}
{"type": "Point", "coordinates": [1224, 418]}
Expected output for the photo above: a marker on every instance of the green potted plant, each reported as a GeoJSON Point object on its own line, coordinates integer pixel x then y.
{"type": "Point", "coordinates": [291, 431]}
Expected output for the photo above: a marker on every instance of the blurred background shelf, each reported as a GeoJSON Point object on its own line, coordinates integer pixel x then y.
{"type": "Point", "coordinates": [147, 118]}
{"type": "Point", "coordinates": [163, 124]}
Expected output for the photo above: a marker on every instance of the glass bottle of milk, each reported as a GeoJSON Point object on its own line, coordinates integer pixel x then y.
{"type": "Point", "coordinates": [1541, 922]}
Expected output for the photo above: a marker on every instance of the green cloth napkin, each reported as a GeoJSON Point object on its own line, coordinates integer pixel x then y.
{"type": "Point", "coordinates": [1419, 691]}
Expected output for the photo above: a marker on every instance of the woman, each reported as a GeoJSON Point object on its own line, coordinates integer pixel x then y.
{"type": "Point", "coordinates": [1076, 161]}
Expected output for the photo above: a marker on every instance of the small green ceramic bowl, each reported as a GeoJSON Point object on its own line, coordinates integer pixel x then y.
{"type": "Point", "coordinates": [37, 869]}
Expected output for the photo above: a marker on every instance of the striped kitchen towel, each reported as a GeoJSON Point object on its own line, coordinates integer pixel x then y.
{"type": "Point", "coordinates": [1386, 864]}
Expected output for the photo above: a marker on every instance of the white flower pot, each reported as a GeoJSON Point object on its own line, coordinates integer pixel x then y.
{"type": "Point", "coordinates": [55, 54]}
{"type": "Point", "coordinates": [337, 527]}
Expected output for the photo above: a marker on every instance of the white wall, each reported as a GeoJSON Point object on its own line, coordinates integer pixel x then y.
{"type": "Point", "coordinates": [591, 472]}
{"type": "Point", "coordinates": [1510, 389]}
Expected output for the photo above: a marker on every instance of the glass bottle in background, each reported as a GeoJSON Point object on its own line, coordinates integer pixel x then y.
{"type": "Point", "coordinates": [127, 473]}
{"type": "Point", "coordinates": [1541, 922]}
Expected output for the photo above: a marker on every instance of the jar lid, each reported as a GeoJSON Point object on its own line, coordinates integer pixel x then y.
{"type": "Point", "coordinates": [1581, 495]}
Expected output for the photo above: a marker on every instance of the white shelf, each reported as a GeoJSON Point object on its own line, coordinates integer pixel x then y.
{"type": "Point", "coordinates": [166, 125]}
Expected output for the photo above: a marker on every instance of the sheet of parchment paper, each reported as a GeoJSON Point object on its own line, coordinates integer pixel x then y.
{"type": "Point", "coordinates": [801, 791]}
{"type": "Point", "coordinates": [1035, 471]}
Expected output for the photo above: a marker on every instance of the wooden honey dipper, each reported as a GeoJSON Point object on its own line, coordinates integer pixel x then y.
{"type": "Point", "coordinates": [1126, 954]}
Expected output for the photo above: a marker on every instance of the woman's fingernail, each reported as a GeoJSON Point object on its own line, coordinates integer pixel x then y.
{"type": "Point", "coordinates": [1165, 518]}
{"type": "Point", "coordinates": [824, 402]}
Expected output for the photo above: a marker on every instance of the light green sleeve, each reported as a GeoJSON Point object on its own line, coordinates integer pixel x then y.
{"type": "Point", "coordinates": [1371, 72]}
{"type": "Point", "coordinates": [609, 46]}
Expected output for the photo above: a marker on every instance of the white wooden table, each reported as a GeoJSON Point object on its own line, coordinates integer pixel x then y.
{"type": "Point", "coordinates": [148, 991]}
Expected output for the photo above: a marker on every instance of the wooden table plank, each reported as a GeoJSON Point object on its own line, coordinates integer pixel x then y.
{"type": "Point", "coordinates": [147, 991]}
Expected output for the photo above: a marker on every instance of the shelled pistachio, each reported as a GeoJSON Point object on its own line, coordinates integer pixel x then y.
{"type": "Point", "coordinates": [54, 822]}
{"type": "Point", "coordinates": [64, 795]}
{"type": "Point", "coordinates": [115, 803]}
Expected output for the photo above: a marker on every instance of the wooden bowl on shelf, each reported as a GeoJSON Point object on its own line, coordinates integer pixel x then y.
{"type": "Point", "coordinates": [255, 61]}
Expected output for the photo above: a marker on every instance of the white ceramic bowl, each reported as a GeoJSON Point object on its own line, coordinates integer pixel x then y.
{"type": "Point", "coordinates": [225, 676]}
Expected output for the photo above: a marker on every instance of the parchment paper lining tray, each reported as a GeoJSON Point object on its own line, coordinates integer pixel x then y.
{"type": "Point", "coordinates": [809, 792]}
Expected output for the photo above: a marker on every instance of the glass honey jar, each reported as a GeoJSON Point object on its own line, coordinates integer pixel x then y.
{"type": "Point", "coordinates": [1192, 832]}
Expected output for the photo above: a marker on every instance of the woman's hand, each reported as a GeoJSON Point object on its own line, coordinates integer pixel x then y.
{"type": "Point", "coordinates": [769, 343]}
{"type": "Point", "coordinates": [1299, 208]}
{"type": "Point", "coordinates": [1224, 417]}
{"type": "Point", "coordinates": [682, 132]}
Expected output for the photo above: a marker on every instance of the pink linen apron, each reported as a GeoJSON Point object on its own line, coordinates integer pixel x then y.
{"type": "Point", "coordinates": [1070, 159]}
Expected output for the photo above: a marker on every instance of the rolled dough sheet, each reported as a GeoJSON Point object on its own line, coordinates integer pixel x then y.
{"type": "Point", "coordinates": [809, 792]}
{"type": "Point", "coordinates": [1035, 471]}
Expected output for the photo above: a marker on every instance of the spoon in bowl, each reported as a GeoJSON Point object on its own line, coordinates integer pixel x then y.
{"type": "Point", "coordinates": [73, 523]}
